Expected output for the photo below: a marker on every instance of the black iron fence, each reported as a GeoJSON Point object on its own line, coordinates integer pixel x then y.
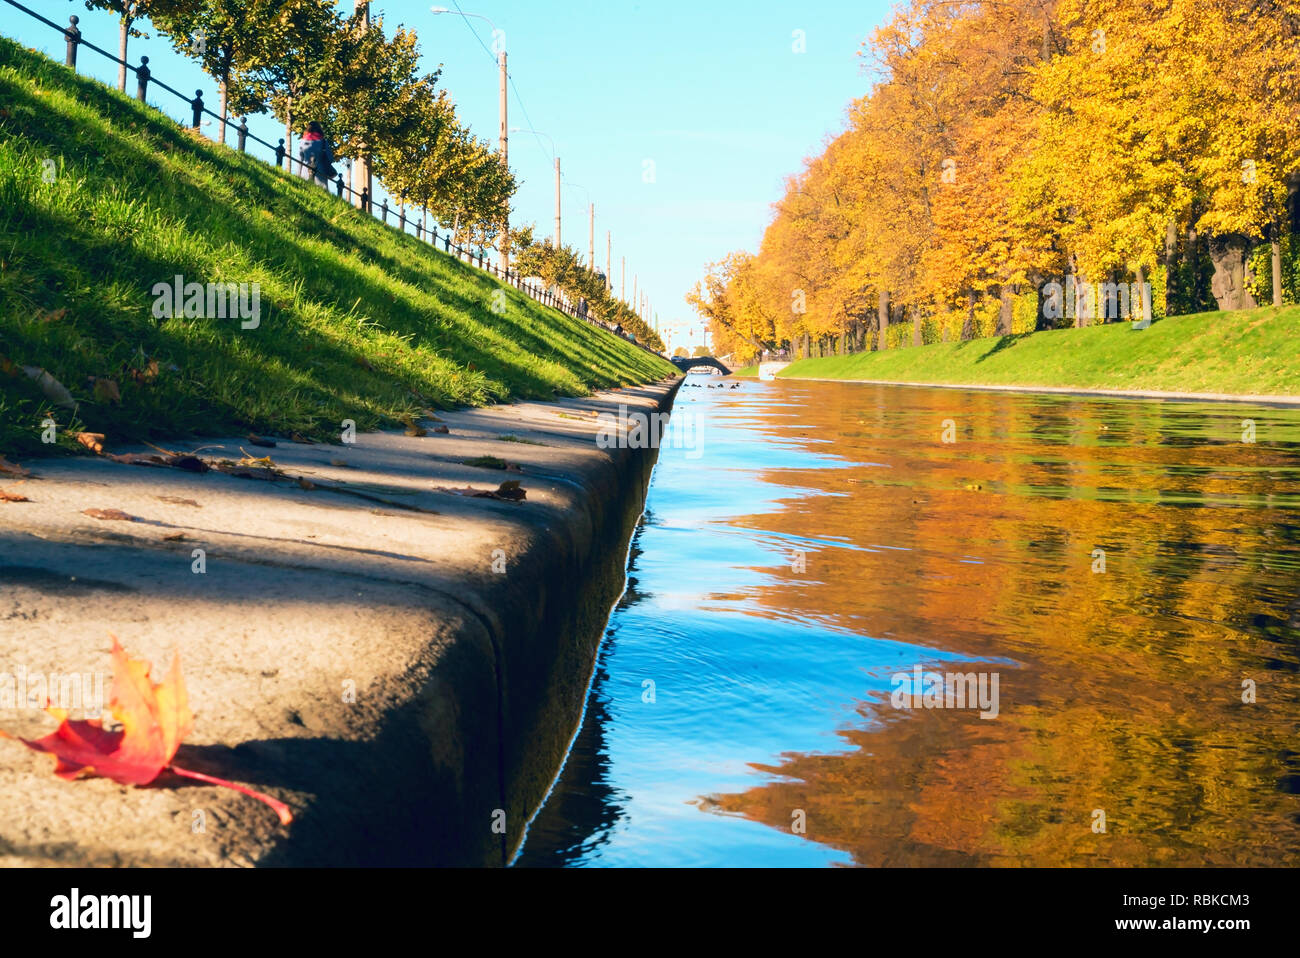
{"type": "Point", "coordinates": [283, 160]}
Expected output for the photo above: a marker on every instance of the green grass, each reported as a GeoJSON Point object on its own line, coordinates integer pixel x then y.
{"type": "Point", "coordinates": [527, 442]}
{"type": "Point", "coordinates": [750, 371]}
{"type": "Point", "coordinates": [1250, 352]}
{"type": "Point", "coordinates": [486, 462]}
{"type": "Point", "coordinates": [358, 321]}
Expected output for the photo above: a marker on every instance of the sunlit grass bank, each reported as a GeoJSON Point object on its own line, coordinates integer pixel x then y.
{"type": "Point", "coordinates": [1250, 352]}
{"type": "Point", "coordinates": [103, 198]}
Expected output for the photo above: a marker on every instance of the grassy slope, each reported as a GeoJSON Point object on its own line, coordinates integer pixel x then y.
{"type": "Point", "coordinates": [357, 320]}
{"type": "Point", "coordinates": [1248, 352]}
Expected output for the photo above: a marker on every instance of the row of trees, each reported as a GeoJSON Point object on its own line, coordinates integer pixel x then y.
{"type": "Point", "coordinates": [1008, 144]}
{"type": "Point", "coordinates": [303, 60]}
{"type": "Point", "coordinates": [563, 267]}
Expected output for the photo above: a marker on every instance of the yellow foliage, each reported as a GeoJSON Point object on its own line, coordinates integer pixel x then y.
{"type": "Point", "coordinates": [1009, 144]}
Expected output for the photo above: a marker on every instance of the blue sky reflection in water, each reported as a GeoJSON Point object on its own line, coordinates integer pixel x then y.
{"type": "Point", "coordinates": [1119, 690]}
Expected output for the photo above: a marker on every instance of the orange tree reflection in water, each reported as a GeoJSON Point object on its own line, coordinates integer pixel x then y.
{"type": "Point", "coordinates": [1121, 690]}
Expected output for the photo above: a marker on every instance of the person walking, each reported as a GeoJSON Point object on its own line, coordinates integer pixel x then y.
{"type": "Point", "coordinates": [315, 153]}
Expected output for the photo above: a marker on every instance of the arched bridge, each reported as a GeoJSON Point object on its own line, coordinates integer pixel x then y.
{"type": "Point", "coordinates": [684, 364]}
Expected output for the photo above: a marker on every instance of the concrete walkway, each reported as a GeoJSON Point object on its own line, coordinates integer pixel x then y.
{"type": "Point", "coordinates": [467, 627]}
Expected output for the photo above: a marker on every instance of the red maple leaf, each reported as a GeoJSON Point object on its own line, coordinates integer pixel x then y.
{"type": "Point", "coordinates": [154, 719]}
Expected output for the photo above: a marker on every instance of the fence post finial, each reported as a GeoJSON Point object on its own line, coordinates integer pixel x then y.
{"type": "Point", "coordinates": [142, 75]}
{"type": "Point", "coordinates": [74, 37]}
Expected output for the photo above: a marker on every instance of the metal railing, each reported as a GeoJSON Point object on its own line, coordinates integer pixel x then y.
{"type": "Point", "coordinates": [472, 258]}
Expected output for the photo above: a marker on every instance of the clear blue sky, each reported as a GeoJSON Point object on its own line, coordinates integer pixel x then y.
{"type": "Point", "coordinates": [712, 92]}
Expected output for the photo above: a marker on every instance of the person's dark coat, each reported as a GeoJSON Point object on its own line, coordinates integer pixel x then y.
{"type": "Point", "coordinates": [315, 150]}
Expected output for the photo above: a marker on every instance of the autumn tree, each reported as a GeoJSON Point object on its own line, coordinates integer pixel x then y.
{"type": "Point", "coordinates": [1004, 144]}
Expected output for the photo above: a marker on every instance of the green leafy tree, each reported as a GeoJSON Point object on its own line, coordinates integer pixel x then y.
{"type": "Point", "coordinates": [372, 93]}
{"type": "Point", "coordinates": [225, 37]}
{"type": "Point", "coordinates": [290, 66]}
{"type": "Point", "coordinates": [130, 12]}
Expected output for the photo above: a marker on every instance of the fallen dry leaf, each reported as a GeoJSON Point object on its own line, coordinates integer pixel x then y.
{"type": "Point", "coordinates": [510, 490]}
{"type": "Point", "coordinates": [106, 391]}
{"type": "Point", "coordinates": [260, 441]}
{"type": "Point", "coordinates": [108, 514]}
{"type": "Point", "coordinates": [155, 718]}
{"type": "Point", "coordinates": [137, 459]}
{"type": "Point", "coordinates": [173, 537]}
{"type": "Point", "coordinates": [414, 430]}
{"type": "Point", "coordinates": [441, 429]}
{"type": "Point", "coordinates": [146, 375]}
{"type": "Point", "coordinates": [12, 497]}
{"type": "Point", "coordinates": [249, 468]}
{"type": "Point", "coordinates": [338, 462]}
{"type": "Point", "coordinates": [11, 467]}
{"type": "Point", "coordinates": [94, 441]}
{"type": "Point", "coordinates": [188, 463]}
{"type": "Point", "coordinates": [178, 501]}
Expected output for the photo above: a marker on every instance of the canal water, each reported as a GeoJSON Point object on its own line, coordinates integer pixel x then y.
{"type": "Point", "coordinates": [1129, 571]}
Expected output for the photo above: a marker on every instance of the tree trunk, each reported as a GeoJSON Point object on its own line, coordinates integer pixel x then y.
{"type": "Point", "coordinates": [1277, 269]}
{"type": "Point", "coordinates": [882, 320]}
{"type": "Point", "coordinates": [123, 32]}
{"type": "Point", "coordinates": [1004, 314]}
{"type": "Point", "coordinates": [1171, 267]}
{"type": "Point", "coordinates": [968, 325]}
{"type": "Point", "coordinates": [916, 326]}
{"type": "Point", "coordinates": [361, 173]}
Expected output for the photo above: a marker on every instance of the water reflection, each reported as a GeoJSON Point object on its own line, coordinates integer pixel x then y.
{"type": "Point", "coordinates": [828, 538]}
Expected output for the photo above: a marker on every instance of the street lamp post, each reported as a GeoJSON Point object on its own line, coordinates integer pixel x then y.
{"type": "Point", "coordinates": [520, 129]}
{"type": "Point", "coordinates": [504, 149]}
{"type": "Point", "coordinates": [364, 178]}
{"type": "Point", "coordinates": [591, 226]}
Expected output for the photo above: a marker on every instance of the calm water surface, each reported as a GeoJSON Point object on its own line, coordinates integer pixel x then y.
{"type": "Point", "coordinates": [822, 538]}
